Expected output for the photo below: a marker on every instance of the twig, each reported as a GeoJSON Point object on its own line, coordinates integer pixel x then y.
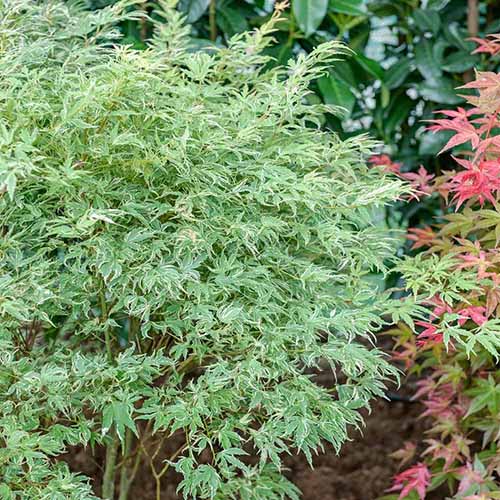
{"type": "Point", "coordinates": [108, 482]}
{"type": "Point", "coordinates": [211, 21]}
{"type": "Point", "coordinates": [472, 28]}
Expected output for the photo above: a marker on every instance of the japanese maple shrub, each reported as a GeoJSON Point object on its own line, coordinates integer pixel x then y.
{"type": "Point", "coordinates": [456, 347]}
{"type": "Point", "coordinates": [180, 245]}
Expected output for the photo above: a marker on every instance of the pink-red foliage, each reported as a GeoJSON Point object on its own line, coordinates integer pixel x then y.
{"type": "Point", "coordinates": [459, 386]}
{"type": "Point", "coordinates": [415, 478]}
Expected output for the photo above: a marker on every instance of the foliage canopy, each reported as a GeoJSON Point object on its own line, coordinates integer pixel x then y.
{"type": "Point", "coordinates": [179, 245]}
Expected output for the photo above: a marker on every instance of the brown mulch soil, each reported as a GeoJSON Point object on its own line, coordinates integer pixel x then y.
{"type": "Point", "coordinates": [362, 471]}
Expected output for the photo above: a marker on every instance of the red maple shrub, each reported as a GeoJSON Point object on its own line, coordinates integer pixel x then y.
{"type": "Point", "coordinates": [454, 345]}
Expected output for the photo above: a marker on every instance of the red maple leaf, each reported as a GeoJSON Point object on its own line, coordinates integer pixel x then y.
{"type": "Point", "coordinates": [416, 478]}
{"type": "Point", "coordinates": [479, 180]}
{"type": "Point", "coordinates": [421, 236]}
{"type": "Point", "coordinates": [468, 477]}
{"type": "Point", "coordinates": [406, 453]}
{"type": "Point", "coordinates": [484, 80]}
{"type": "Point", "coordinates": [459, 123]}
{"type": "Point", "coordinates": [475, 313]}
{"type": "Point", "coordinates": [479, 259]}
{"type": "Point", "coordinates": [425, 386]}
{"type": "Point", "coordinates": [385, 162]}
{"type": "Point", "coordinates": [419, 181]}
{"type": "Point", "coordinates": [444, 402]}
{"type": "Point", "coordinates": [488, 85]}
{"type": "Point", "coordinates": [407, 355]}
{"type": "Point", "coordinates": [457, 449]}
{"type": "Point", "coordinates": [493, 293]}
{"type": "Point", "coordinates": [439, 402]}
{"type": "Point", "coordinates": [429, 334]}
{"type": "Point", "coordinates": [489, 45]}
{"type": "Point", "coordinates": [440, 306]}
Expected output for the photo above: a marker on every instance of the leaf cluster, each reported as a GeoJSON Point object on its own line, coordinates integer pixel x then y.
{"type": "Point", "coordinates": [180, 245]}
{"type": "Point", "coordinates": [457, 346]}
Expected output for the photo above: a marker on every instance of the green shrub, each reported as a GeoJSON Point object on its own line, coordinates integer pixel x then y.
{"type": "Point", "coordinates": [179, 246]}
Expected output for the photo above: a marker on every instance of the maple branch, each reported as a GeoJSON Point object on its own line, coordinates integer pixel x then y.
{"type": "Point", "coordinates": [473, 17]}
{"type": "Point", "coordinates": [472, 28]}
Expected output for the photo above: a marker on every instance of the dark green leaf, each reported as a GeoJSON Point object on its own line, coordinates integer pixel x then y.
{"type": "Point", "coordinates": [358, 37]}
{"type": "Point", "coordinates": [343, 71]}
{"type": "Point", "coordinates": [441, 91]}
{"type": "Point", "coordinates": [459, 62]}
{"type": "Point", "coordinates": [309, 14]}
{"type": "Point", "coordinates": [351, 7]}
{"type": "Point", "coordinates": [457, 36]}
{"type": "Point", "coordinates": [398, 73]}
{"type": "Point", "coordinates": [282, 54]}
{"type": "Point", "coordinates": [397, 112]}
{"type": "Point", "coordinates": [439, 49]}
{"type": "Point", "coordinates": [336, 92]}
{"type": "Point", "coordinates": [427, 20]}
{"type": "Point", "coordinates": [203, 44]}
{"type": "Point", "coordinates": [386, 8]}
{"type": "Point", "coordinates": [493, 27]}
{"type": "Point", "coordinates": [231, 21]}
{"type": "Point", "coordinates": [437, 4]}
{"type": "Point", "coordinates": [385, 96]}
{"type": "Point", "coordinates": [193, 9]}
{"type": "Point", "coordinates": [371, 66]}
{"type": "Point", "coordinates": [426, 61]}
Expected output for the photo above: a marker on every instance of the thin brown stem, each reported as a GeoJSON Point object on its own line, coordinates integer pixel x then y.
{"type": "Point", "coordinates": [472, 28]}
{"type": "Point", "coordinates": [172, 457]}
{"type": "Point", "coordinates": [212, 21]}
{"type": "Point", "coordinates": [472, 17]}
{"type": "Point", "coordinates": [158, 475]}
{"type": "Point", "coordinates": [139, 446]}
{"type": "Point", "coordinates": [125, 480]}
{"type": "Point", "coordinates": [143, 22]}
{"type": "Point", "coordinates": [104, 318]}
